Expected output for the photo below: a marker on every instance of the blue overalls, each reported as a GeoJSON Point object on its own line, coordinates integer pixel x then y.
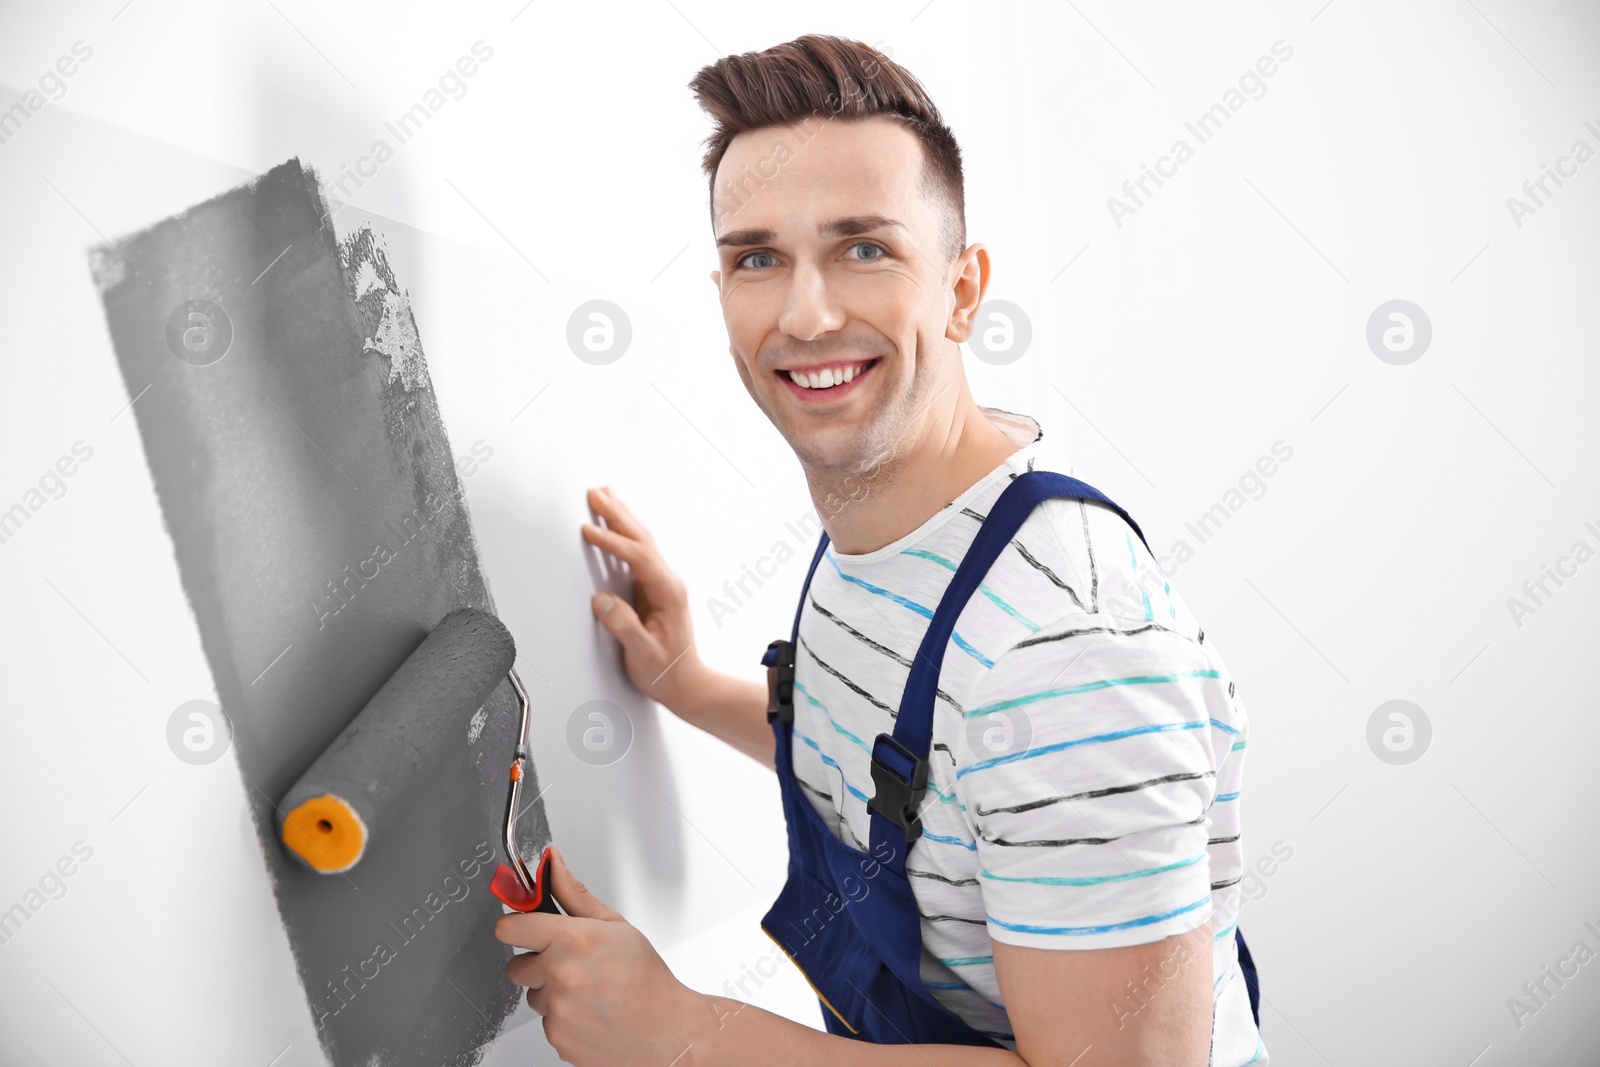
{"type": "Point", "coordinates": [848, 918]}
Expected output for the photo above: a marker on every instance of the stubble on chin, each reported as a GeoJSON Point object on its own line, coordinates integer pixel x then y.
{"type": "Point", "coordinates": [847, 471]}
{"type": "Point", "coordinates": [850, 467]}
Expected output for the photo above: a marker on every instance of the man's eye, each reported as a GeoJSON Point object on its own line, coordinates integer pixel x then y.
{"type": "Point", "coordinates": [757, 260]}
{"type": "Point", "coordinates": [878, 250]}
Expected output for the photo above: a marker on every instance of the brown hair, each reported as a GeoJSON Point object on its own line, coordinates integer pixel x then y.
{"type": "Point", "coordinates": [815, 74]}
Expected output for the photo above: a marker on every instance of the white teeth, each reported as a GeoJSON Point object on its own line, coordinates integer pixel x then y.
{"type": "Point", "coordinates": [826, 378]}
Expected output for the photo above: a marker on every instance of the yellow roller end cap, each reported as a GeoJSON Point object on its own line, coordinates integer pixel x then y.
{"type": "Point", "coordinates": [326, 833]}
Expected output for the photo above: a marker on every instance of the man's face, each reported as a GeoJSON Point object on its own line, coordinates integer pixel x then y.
{"type": "Point", "coordinates": [832, 267]}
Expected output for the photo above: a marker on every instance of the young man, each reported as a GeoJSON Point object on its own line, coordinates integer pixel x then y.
{"type": "Point", "coordinates": [1062, 889]}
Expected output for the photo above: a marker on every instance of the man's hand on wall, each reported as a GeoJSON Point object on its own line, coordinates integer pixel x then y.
{"type": "Point", "coordinates": [656, 631]}
{"type": "Point", "coordinates": [657, 637]}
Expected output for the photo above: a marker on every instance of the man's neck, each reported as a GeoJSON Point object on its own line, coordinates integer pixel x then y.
{"type": "Point", "coordinates": [882, 504]}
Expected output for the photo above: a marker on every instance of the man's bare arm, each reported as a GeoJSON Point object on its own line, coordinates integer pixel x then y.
{"type": "Point", "coordinates": [1141, 1004]}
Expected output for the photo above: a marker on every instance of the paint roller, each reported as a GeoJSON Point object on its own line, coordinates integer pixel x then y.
{"type": "Point", "coordinates": [354, 788]}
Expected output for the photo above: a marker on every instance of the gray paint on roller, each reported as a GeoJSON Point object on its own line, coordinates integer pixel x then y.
{"type": "Point", "coordinates": [393, 746]}
{"type": "Point", "coordinates": [320, 533]}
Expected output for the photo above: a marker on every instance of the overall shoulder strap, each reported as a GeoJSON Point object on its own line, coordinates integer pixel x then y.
{"type": "Point", "coordinates": [779, 658]}
{"type": "Point", "coordinates": [899, 761]}
{"type": "Point", "coordinates": [805, 587]}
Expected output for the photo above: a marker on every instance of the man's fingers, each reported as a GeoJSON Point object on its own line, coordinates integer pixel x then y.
{"type": "Point", "coordinates": [640, 556]}
{"type": "Point", "coordinates": [533, 931]}
{"type": "Point", "coordinates": [631, 543]}
{"type": "Point", "coordinates": [573, 896]}
{"type": "Point", "coordinates": [528, 969]}
{"type": "Point", "coordinates": [633, 552]}
{"type": "Point", "coordinates": [610, 507]}
{"type": "Point", "coordinates": [618, 617]}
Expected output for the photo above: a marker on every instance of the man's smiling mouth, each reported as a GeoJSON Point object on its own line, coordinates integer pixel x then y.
{"type": "Point", "coordinates": [828, 376]}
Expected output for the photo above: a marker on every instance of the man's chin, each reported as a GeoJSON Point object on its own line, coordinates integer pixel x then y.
{"type": "Point", "coordinates": [833, 454]}
{"type": "Point", "coordinates": [827, 445]}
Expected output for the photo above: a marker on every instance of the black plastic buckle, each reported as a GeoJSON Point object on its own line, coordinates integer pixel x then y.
{"type": "Point", "coordinates": [780, 681]}
{"type": "Point", "coordinates": [898, 778]}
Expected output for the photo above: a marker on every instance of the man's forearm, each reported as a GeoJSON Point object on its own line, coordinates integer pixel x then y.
{"type": "Point", "coordinates": [734, 1033]}
{"type": "Point", "coordinates": [729, 708]}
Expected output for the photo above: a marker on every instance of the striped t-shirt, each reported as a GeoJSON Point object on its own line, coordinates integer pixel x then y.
{"type": "Point", "coordinates": [1088, 745]}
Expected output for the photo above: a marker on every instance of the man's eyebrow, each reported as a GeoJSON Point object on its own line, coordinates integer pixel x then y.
{"type": "Point", "coordinates": [757, 236]}
{"type": "Point", "coordinates": [855, 225]}
{"type": "Point", "coordinates": [850, 226]}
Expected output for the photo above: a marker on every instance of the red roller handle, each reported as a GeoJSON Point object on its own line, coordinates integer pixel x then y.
{"type": "Point", "coordinates": [509, 889]}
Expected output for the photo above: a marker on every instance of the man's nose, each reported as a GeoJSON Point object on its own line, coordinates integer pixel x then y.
{"type": "Point", "coordinates": [810, 308]}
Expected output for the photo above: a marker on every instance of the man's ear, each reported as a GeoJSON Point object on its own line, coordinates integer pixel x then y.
{"type": "Point", "coordinates": [967, 288]}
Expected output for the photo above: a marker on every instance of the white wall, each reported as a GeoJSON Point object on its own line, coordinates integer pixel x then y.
{"type": "Point", "coordinates": [1228, 313]}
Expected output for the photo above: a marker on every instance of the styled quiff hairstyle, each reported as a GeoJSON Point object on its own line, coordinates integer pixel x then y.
{"type": "Point", "coordinates": [832, 78]}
